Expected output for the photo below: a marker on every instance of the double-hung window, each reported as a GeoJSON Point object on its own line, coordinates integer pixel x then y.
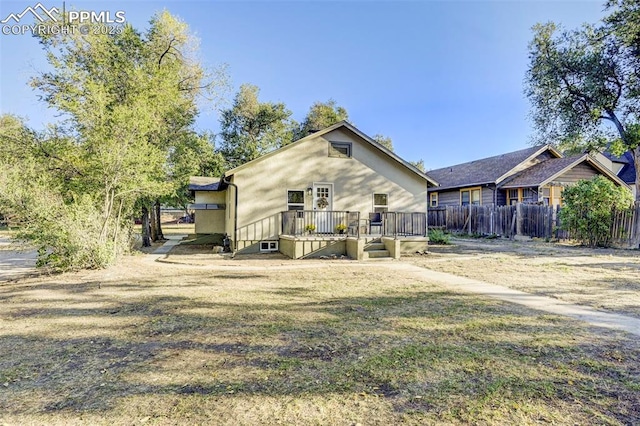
{"type": "Point", "coordinates": [470, 196]}
{"type": "Point", "coordinates": [433, 199]}
{"type": "Point", "coordinates": [380, 203]}
{"type": "Point", "coordinates": [295, 200]}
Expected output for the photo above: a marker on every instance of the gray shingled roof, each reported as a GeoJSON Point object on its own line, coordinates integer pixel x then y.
{"type": "Point", "coordinates": [535, 175]}
{"type": "Point", "coordinates": [478, 172]}
{"type": "Point", "coordinates": [204, 183]}
{"type": "Point", "coordinates": [628, 173]}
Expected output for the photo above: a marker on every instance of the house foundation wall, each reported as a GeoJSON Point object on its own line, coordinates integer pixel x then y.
{"type": "Point", "coordinates": [393, 246]}
{"type": "Point", "coordinates": [248, 246]}
{"type": "Point", "coordinates": [312, 248]}
{"type": "Point", "coordinates": [355, 248]}
{"type": "Point", "coordinates": [412, 245]}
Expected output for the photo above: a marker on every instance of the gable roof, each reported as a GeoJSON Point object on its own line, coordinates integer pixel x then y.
{"type": "Point", "coordinates": [540, 172]}
{"type": "Point", "coordinates": [353, 129]}
{"type": "Point", "coordinates": [546, 171]}
{"type": "Point", "coordinates": [204, 183]}
{"type": "Point", "coordinates": [486, 170]}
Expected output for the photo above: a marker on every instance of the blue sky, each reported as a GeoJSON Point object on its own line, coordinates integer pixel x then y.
{"type": "Point", "coordinates": [443, 79]}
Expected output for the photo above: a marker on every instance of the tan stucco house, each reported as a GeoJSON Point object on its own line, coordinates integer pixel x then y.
{"type": "Point", "coordinates": [335, 191]}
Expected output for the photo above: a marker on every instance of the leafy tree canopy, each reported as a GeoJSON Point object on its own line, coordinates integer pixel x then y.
{"type": "Point", "coordinates": [128, 102]}
{"type": "Point", "coordinates": [251, 128]}
{"type": "Point", "coordinates": [583, 84]}
{"type": "Point", "coordinates": [320, 116]}
{"type": "Point", "coordinates": [384, 141]}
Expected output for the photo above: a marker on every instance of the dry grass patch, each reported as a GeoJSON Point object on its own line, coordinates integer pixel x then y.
{"type": "Point", "coordinates": [601, 278]}
{"type": "Point", "coordinates": [329, 343]}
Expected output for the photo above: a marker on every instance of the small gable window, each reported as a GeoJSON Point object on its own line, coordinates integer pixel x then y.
{"type": "Point", "coordinates": [340, 149]}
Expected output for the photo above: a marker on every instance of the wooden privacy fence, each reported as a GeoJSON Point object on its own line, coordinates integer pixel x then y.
{"type": "Point", "coordinates": [529, 220]}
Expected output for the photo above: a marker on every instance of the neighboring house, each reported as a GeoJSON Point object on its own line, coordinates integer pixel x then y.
{"type": "Point", "coordinates": [532, 175]}
{"type": "Point", "coordinates": [623, 166]}
{"type": "Point", "coordinates": [327, 193]}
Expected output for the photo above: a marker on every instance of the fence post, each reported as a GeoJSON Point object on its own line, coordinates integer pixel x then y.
{"type": "Point", "coordinates": [635, 241]}
{"type": "Point", "coordinates": [519, 219]}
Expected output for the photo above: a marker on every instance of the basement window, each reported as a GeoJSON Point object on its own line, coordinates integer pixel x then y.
{"type": "Point", "coordinates": [268, 246]}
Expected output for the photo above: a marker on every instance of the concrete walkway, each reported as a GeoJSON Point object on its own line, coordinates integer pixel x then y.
{"type": "Point", "coordinates": [542, 303]}
{"type": "Point", "coordinates": [172, 241]}
{"type": "Point", "coordinates": [164, 249]}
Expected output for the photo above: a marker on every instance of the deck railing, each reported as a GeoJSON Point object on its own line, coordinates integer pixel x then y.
{"type": "Point", "coordinates": [345, 223]}
{"type": "Point", "coordinates": [404, 224]}
{"type": "Point", "coordinates": [321, 223]}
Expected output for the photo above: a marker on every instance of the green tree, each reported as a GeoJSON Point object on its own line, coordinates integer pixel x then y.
{"type": "Point", "coordinates": [418, 165]}
{"type": "Point", "coordinates": [583, 92]}
{"type": "Point", "coordinates": [251, 128]}
{"type": "Point", "coordinates": [128, 101]}
{"type": "Point", "coordinates": [384, 141]}
{"type": "Point", "coordinates": [320, 116]}
{"type": "Point", "coordinates": [194, 156]}
{"type": "Point", "coordinates": [587, 208]}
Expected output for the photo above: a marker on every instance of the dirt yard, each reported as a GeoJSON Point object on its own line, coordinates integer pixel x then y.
{"type": "Point", "coordinates": [604, 279]}
{"type": "Point", "coordinates": [274, 341]}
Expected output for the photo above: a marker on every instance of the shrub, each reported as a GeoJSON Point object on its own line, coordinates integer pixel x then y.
{"type": "Point", "coordinates": [438, 236]}
{"type": "Point", "coordinates": [587, 210]}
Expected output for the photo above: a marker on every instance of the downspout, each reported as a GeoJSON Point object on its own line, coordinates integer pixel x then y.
{"type": "Point", "coordinates": [235, 214]}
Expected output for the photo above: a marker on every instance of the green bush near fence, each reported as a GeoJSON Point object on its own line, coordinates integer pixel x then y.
{"type": "Point", "coordinates": [587, 210]}
{"type": "Point", "coordinates": [438, 236]}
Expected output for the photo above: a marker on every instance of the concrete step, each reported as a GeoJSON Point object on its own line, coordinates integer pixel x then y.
{"type": "Point", "coordinates": [374, 246]}
{"type": "Point", "coordinates": [376, 254]}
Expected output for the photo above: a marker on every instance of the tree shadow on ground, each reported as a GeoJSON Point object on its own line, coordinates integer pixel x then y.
{"type": "Point", "coordinates": [435, 345]}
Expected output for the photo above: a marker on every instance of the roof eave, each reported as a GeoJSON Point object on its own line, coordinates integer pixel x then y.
{"type": "Point", "coordinates": [466, 185]}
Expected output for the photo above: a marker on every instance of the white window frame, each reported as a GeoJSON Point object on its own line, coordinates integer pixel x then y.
{"type": "Point", "coordinates": [295, 204]}
{"type": "Point", "coordinates": [268, 246]}
{"type": "Point", "coordinates": [385, 207]}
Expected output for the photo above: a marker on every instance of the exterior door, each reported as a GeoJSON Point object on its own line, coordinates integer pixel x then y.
{"type": "Point", "coordinates": [322, 205]}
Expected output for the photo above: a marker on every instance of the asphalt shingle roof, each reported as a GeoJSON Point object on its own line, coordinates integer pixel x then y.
{"type": "Point", "coordinates": [628, 173]}
{"type": "Point", "coordinates": [485, 170]}
{"type": "Point", "coordinates": [535, 175]}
